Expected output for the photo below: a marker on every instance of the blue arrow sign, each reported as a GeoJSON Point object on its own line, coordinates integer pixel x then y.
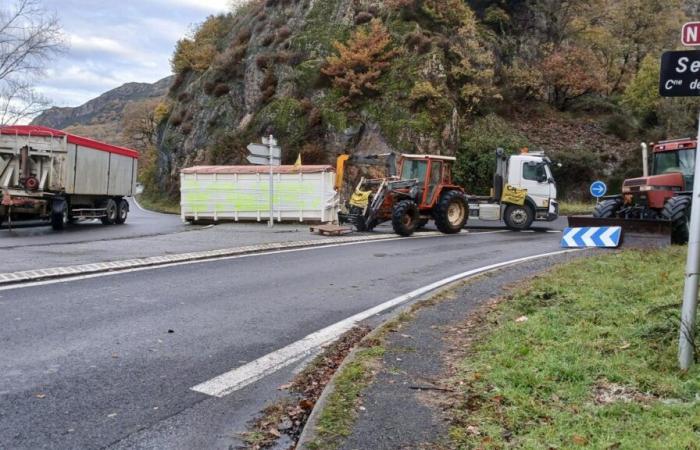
{"type": "Point", "coordinates": [605, 237]}
{"type": "Point", "coordinates": [598, 189]}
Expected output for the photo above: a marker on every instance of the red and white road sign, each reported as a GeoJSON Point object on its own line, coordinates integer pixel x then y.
{"type": "Point", "coordinates": [691, 34]}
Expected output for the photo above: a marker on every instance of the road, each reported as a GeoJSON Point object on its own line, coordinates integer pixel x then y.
{"type": "Point", "coordinates": [139, 224]}
{"type": "Point", "coordinates": [109, 362]}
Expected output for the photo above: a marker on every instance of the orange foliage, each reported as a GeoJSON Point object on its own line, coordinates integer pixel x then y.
{"type": "Point", "coordinates": [569, 73]}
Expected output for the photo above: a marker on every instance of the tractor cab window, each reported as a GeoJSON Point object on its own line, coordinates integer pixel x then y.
{"type": "Point", "coordinates": [435, 179]}
{"type": "Point", "coordinates": [682, 161]}
{"type": "Point", "coordinates": [414, 170]}
{"type": "Point", "coordinates": [535, 172]}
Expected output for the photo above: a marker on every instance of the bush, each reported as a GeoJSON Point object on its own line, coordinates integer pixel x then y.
{"type": "Point", "coordinates": [198, 51]}
{"type": "Point", "coordinates": [476, 158]}
{"type": "Point", "coordinates": [579, 167]}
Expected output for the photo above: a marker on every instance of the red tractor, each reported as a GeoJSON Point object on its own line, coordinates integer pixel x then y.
{"type": "Point", "coordinates": [657, 203]}
{"type": "Point", "coordinates": [422, 191]}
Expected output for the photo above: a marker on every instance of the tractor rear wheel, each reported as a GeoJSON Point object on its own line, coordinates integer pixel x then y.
{"type": "Point", "coordinates": [606, 209]}
{"type": "Point", "coordinates": [519, 218]}
{"type": "Point", "coordinates": [451, 212]}
{"type": "Point", "coordinates": [404, 217]}
{"type": "Point", "coordinates": [677, 210]}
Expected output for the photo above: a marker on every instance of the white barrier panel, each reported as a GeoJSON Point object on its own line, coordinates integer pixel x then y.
{"type": "Point", "coordinates": [241, 193]}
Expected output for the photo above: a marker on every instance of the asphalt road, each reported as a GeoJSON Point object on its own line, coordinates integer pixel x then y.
{"type": "Point", "coordinates": [109, 361]}
{"type": "Point", "coordinates": [139, 224]}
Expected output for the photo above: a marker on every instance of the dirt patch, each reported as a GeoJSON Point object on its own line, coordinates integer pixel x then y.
{"type": "Point", "coordinates": [606, 393]}
{"type": "Point", "coordinates": [287, 418]}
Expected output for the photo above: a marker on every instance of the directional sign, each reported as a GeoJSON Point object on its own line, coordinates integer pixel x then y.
{"type": "Point", "coordinates": [680, 74]}
{"type": "Point", "coordinates": [691, 34]}
{"type": "Point", "coordinates": [605, 237]}
{"type": "Point", "coordinates": [264, 151]}
{"type": "Point", "coordinates": [598, 189]}
{"type": "Point", "coordinates": [260, 161]}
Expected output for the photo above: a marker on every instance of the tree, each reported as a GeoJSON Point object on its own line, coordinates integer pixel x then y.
{"type": "Point", "coordinates": [30, 37]}
{"type": "Point", "coordinates": [140, 123]}
{"type": "Point", "coordinates": [569, 73]}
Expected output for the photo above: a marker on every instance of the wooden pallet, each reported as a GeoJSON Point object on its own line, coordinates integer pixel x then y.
{"type": "Point", "coordinates": [330, 230]}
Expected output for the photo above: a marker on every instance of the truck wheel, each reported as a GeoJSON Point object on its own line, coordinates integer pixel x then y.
{"type": "Point", "coordinates": [519, 218]}
{"type": "Point", "coordinates": [60, 215]}
{"type": "Point", "coordinates": [404, 217]}
{"type": "Point", "coordinates": [606, 209]}
{"type": "Point", "coordinates": [110, 217]}
{"type": "Point", "coordinates": [677, 210]}
{"type": "Point", "coordinates": [122, 212]}
{"type": "Point", "coordinates": [451, 212]}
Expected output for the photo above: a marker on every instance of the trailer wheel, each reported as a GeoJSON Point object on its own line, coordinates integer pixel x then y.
{"type": "Point", "coordinates": [110, 217]}
{"type": "Point", "coordinates": [519, 218]}
{"type": "Point", "coordinates": [122, 212]}
{"type": "Point", "coordinates": [677, 210]}
{"type": "Point", "coordinates": [606, 209]}
{"type": "Point", "coordinates": [60, 214]}
{"type": "Point", "coordinates": [451, 212]}
{"type": "Point", "coordinates": [404, 217]}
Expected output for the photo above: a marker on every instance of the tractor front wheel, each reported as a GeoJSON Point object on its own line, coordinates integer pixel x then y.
{"type": "Point", "coordinates": [451, 212]}
{"type": "Point", "coordinates": [404, 217]}
{"type": "Point", "coordinates": [677, 210]}
{"type": "Point", "coordinates": [519, 218]}
{"type": "Point", "coordinates": [606, 209]}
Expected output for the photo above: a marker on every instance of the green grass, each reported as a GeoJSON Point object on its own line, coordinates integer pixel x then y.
{"type": "Point", "coordinates": [591, 324]}
{"type": "Point", "coordinates": [339, 414]}
{"type": "Point", "coordinates": [160, 205]}
{"type": "Point", "coordinates": [567, 208]}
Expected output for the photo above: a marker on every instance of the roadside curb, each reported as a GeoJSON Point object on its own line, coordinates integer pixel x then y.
{"type": "Point", "coordinates": [11, 278]}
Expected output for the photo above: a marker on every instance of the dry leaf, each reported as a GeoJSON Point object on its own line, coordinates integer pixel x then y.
{"type": "Point", "coordinates": [40, 396]}
{"type": "Point", "coordinates": [579, 440]}
{"type": "Point", "coordinates": [521, 319]}
{"type": "Point", "coordinates": [273, 431]}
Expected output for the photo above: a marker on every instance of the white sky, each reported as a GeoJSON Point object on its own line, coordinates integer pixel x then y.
{"type": "Point", "coordinates": [115, 42]}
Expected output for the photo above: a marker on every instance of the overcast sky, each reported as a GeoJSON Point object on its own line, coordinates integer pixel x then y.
{"type": "Point", "coordinates": [115, 42]}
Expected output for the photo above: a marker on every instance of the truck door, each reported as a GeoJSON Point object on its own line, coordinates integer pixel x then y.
{"type": "Point", "coordinates": [536, 179]}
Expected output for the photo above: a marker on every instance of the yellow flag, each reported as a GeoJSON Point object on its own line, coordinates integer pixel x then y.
{"type": "Point", "coordinates": [297, 165]}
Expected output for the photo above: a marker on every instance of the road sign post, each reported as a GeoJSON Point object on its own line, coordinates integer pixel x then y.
{"type": "Point", "coordinates": [680, 77]}
{"type": "Point", "coordinates": [598, 190]}
{"type": "Point", "coordinates": [267, 154]}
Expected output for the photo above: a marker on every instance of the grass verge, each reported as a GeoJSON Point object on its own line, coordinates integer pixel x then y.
{"type": "Point", "coordinates": [160, 205]}
{"type": "Point", "coordinates": [585, 356]}
{"type": "Point", "coordinates": [576, 208]}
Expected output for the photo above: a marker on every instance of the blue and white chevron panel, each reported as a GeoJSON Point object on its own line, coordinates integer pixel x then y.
{"type": "Point", "coordinates": [605, 237]}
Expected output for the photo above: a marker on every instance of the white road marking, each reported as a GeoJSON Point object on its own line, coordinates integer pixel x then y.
{"type": "Point", "coordinates": [214, 259]}
{"type": "Point", "coordinates": [249, 373]}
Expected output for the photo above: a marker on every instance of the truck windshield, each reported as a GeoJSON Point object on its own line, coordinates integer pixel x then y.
{"type": "Point", "coordinates": [682, 161]}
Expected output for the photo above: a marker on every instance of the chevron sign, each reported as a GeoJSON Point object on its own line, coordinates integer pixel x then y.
{"type": "Point", "coordinates": [606, 237]}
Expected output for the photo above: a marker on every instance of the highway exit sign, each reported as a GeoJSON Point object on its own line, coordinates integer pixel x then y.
{"type": "Point", "coordinates": [691, 34]}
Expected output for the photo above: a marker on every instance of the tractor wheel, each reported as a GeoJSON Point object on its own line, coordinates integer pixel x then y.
{"type": "Point", "coordinates": [422, 223]}
{"type": "Point", "coordinates": [677, 210]}
{"type": "Point", "coordinates": [519, 218]}
{"type": "Point", "coordinates": [404, 217]}
{"type": "Point", "coordinates": [606, 209]}
{"type": "Point", "coordinates": [122, 212]}
{"type": "Point", "coordinates": [110, 217]}
{"type": "Point", "coordinates": [451, 212]}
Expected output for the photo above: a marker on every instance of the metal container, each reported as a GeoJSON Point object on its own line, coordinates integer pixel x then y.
{"type": "Point", "coordinates": [241, 193]}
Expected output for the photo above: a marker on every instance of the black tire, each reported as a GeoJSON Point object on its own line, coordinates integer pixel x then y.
{"type": "Point", "coordinates": [519, 218]}
{"type": "Point", "coordinates": [404, 217]}
{"type": "Point", "coordinates": [606, 209]}
{"type": "Point", "coordinates": [111, 208]}
{"type": "Point", "coordinates": [451, 212]}
{"type": "Point", "coordinates": [122, 212]}
{"type": "Point", "coordinates": [677, 210]}
{"type": "Point", "coordinates": [59, 220]}
{"type": "Point", "coordinates": [422, 223]}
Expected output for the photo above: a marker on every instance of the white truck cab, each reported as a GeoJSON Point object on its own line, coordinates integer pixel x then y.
{"type": "Point", "coordinates": [524, 191]}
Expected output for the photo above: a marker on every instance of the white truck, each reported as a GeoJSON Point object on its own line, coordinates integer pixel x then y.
{"type": "Point", "coordinates": [524, 191]}
{"type": "Point", "coordinates": [57, 176]}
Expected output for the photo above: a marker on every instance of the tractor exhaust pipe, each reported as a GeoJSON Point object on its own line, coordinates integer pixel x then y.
{"type": "Point", "coordinates": [645, 159]}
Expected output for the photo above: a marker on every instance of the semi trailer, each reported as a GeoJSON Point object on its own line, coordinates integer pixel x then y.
{"type": "Point", "coordinates": [60, 177]}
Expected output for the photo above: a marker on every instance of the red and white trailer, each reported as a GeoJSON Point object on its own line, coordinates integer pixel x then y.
{"type": "Point", "coordinates": [53, 175]}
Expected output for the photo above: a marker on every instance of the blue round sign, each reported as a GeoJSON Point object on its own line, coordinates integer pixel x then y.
{"type": "Point", "coordinates": [598, 189]}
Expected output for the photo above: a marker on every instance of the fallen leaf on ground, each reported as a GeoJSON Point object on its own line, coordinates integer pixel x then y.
{"type": "Point", "coordinates": [579, 440]}
{"type": "Point", "coordinates": [40, 396]}
{"type": "Point", "coordinates": [274, 432]}
{"type": "Point", "coordinates": [284, 387]}
{"type": "Point", "coordinates": [521, 319]}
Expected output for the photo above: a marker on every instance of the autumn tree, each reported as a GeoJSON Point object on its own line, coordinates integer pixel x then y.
{"type": "Point", "coordinates": [361, 61]}
{"type": "Point", "coordinates": [570, 73]}
{"type": "Point", "coordinates": [197, 52]}
{"type": "Point", "coordinates": [140, 123]}
{"type": "Point", "coordinates": [30, 37]}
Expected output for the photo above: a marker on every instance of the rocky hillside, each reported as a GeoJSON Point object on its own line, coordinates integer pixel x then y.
{"type": "Point", "coordinates": [102, 117]}
{"type": "Point", "coordinates": [428, 76]}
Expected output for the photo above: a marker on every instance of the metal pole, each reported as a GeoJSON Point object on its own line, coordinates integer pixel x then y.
{"type": "Point", "coordinates": [271, 223]}
{"type": "Point", "coordinates": [690, 293]}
